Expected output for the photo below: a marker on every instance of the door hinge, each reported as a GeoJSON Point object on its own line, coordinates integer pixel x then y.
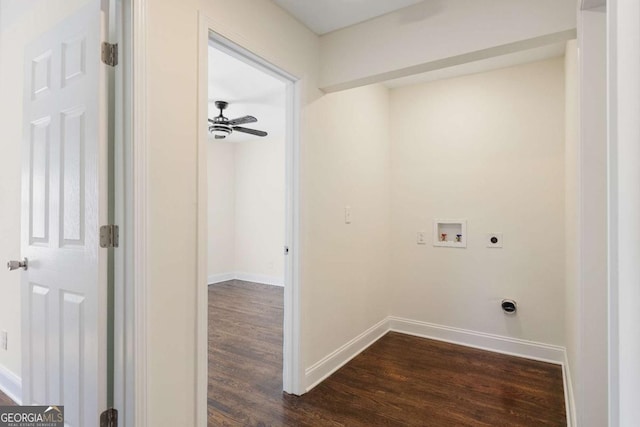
{"type": "Point", "coordinates": [109, 236]}
{"type": "Point", "coordinates": [110, 53]}
{"type": "Point", "coordinates": [109, 418]}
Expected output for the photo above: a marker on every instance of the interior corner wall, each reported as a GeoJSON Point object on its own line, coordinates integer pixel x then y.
{"type": "Point", "coordinates": [488, 148]}
{"type": "Point", "coordinates": [246, 212]}
{"type": "Point", "coordinates": [346, 268]}
{"type": "Point", "coordinates": [221, 210]}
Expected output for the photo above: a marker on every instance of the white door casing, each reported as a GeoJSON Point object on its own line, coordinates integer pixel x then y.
{"type": "Point", "coordinates": [64, 201]}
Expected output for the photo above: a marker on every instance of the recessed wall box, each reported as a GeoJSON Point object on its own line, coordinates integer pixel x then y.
{"type": "Point", "coordinates": [450, 233]}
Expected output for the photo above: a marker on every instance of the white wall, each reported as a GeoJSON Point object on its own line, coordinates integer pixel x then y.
{"type": "Point", "coordinates": [340, 163]}
{"type": "Point", "coordinates": [572, 212]}
{"type": "Point", "coordinates": [436, 34]}
{"type": "Point", "coordinates": [489, 148]}
{"type": "Point", "coordinates": [20, 22]}
{"type": "Point", "coordinates": [221, 210]}
{"type": "Point", "coordinates": [260, 207]}
{"type": "Point", "coordinates": [346, 266]}
{"type": "Point", "coordinates": [246, 209]}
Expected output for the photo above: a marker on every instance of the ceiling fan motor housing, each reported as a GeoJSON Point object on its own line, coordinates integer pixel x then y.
{"type": "Point", "coordinates": [221, 105]}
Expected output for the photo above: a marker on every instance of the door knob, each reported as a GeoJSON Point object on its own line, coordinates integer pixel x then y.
{"type": "Point", "coordinates": [14, 265]}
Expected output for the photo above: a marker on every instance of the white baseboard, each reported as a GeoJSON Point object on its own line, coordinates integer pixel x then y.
{"type": "Point", "coordinates": [570, 406]}
{"type": "Point", "coordinates": [496, 343]}
{"type": "Point", "coordinates": [219, 278]}
{"type": "Point", "coordinates": [317, 373]}
{"type": "Point", "coordinates": [11, 385]}
{"type": "Point", "coordinates": [260, 278]}
{"type": "Point", "coordinates": [247, 277]}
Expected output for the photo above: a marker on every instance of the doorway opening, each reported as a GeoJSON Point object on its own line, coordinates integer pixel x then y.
{"type": "Point", "coordinates": [247, 231]}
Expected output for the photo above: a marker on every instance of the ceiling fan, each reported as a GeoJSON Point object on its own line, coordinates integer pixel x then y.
{"type": "Point", "coordinates": [221, 127]}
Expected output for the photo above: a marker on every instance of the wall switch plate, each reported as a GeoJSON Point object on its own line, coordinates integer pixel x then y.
{"type": "Point", "coordinates": [347, 215]}
{"type": "Point", "coordinates": [3, 340]}
{"type": "Point", "coordinates": [421, 238]}
{"type": "Point", "coordinates": [494, 240]}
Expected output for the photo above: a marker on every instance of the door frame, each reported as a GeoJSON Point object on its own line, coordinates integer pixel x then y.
{"type": "Point", "coordinates": [130, 214]}
{"type": "Point", "coordinates": [292, 373]}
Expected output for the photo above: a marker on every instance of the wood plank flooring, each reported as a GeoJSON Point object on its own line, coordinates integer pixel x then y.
{"type": "Point", "coordinates": [5, 400]}
{"type": "Point", "coordinates": [399, 381]}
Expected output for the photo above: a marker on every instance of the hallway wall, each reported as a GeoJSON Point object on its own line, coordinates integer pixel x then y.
{"type": "Point", "coordinates": [488, 148]}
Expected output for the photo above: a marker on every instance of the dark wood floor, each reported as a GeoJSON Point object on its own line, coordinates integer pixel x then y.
{"type": "Point", "coordinates": [399, 381]}
{"type": "Point", "coordinates": [5, 400]}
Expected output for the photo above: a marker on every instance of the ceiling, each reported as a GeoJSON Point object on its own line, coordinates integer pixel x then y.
{"type": "Point", "coordinates": [249, 91]}
{"type": "Point", "coordinates": [324, 16]}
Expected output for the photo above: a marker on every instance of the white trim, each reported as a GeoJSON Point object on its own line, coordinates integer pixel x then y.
{"type": "Point", "coordinates": [219, 278]}
{"type": "Point", "coordinates": [329, 364]}
{"type": "Point", "coordinates": [11, 385]}
{"type": "Point", "coordinates": [202, 352]}
{"type": "Point", "coordinates": [139, 212]}
{"type": "Point", "coordinates": [624, 212]}
{"type": "Point", "coordinates": [481, 340]}
{"type": "Point", "coordinates": [123, 331]}
{"type": "Point", "coordinates": [570, 406]}
{"type": "Point", "coordinates": [247, 277]}
{"type": "Point", "coordinates": [260, 278]}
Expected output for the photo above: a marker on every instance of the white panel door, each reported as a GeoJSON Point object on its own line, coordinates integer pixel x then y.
{"type": "Point", "coordinates": [64, 201]}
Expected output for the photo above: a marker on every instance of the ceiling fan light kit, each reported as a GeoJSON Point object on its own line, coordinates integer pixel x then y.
{"type": "Point", "coordinates": [221, 127]}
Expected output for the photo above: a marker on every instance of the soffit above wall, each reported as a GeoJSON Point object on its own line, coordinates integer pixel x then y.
{"type": "Point", "coordinates": [438, 34]}
{"type": "Point", "coordinates": [248, 91]}
{"type": "Point", "coordinates": [324, 16]}
{"type": "Point", "coordinates": [523, 57]}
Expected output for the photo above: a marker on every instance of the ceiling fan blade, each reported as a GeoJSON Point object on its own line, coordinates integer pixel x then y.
{"type": "Point", "coordinates": [211, 120]}
{"type": "Point", "coordinates": [251, 131]}
{"type": "Point", "coordinates": [242, 120]}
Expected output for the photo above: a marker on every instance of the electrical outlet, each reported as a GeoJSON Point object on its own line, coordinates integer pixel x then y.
{"type": "Point", "coordinates": [494, 240]}
{"type": "Point", "coordinates": [421, 238]}
{"type": "Point", "coordinates": [4, 340]}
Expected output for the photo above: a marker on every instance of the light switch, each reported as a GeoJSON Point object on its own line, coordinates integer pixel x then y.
{"type": "Point", "coordinates": [347, 215]}
{"type": "Point", "coordinates": [421, 239]}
